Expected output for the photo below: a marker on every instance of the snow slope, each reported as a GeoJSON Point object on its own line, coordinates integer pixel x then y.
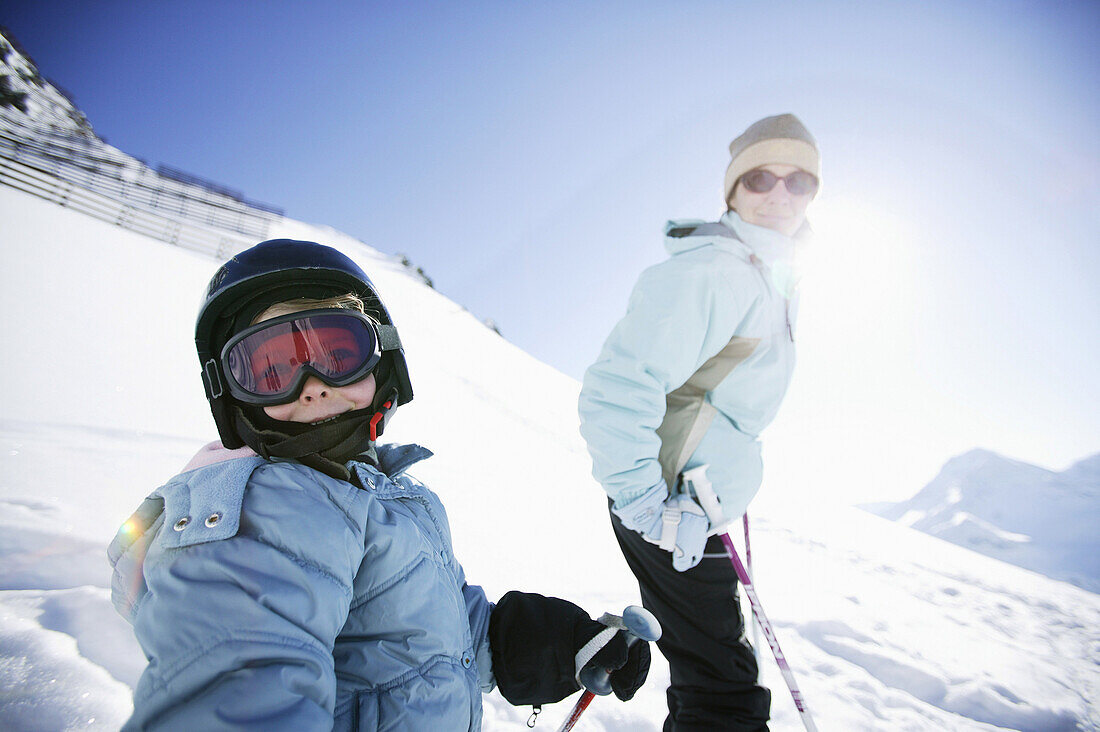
{"type": "Point", "coordinates": [887, 628]}
{"type": "Point", "coordinates": [1015, 512]}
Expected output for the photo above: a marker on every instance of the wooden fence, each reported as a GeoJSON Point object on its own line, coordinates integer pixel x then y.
{"type": "Point", "coordinates": [87, 175]}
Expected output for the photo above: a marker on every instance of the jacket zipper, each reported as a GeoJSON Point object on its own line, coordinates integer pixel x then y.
{"type": "Point", "coordinates": [756, 261]}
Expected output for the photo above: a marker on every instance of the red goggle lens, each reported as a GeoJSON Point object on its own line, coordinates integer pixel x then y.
{"type": "Point", "coordinates": [267, 360]}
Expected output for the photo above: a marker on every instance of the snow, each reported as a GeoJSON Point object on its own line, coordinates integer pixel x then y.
{"type": "Point", "coordinates": [911, 517]}
{"type": "Point", "coordinates": [961, 519]}
{"type": "Point", "coordinates": [885, 627]}
{"type": "Point", "coordinates": [1015, 512]}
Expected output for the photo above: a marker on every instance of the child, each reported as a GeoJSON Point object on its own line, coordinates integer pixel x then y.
{"type": "Point", "coordinates": [294, 576]}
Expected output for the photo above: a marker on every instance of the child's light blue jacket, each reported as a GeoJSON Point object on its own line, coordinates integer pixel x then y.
{"type": "Point", "coordinates": [267, 595]}
{"type": "Point", "coordinates": [725, 299]}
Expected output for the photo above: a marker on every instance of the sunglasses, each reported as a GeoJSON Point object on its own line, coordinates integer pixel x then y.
{"type": "Point", "coordinates": [798, 183]}
{"type": "Point", "coordinates": [269, 362]}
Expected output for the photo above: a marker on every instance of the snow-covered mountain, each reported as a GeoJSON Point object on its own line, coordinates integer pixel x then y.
{"type": "Point", "coordinates": [1031, 517]}
{"type": "Point", "coordinates": [885, 627]}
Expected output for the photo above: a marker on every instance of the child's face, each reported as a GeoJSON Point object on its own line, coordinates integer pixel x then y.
{"type": "Point", "coordinates": [318, 401]}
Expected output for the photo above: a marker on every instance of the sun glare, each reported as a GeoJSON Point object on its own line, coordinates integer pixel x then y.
{"type": "Point", "coordinates": [859, 254]}
{"type": "Point", "coordinates": [853, 398]}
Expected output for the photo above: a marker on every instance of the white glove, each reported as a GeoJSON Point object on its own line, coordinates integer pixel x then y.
{"type": "Point", "coordinates": [677, 524]}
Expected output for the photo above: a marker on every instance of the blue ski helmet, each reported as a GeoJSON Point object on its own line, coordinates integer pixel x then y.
{"type": "Point", "coordinates": [274, 271]}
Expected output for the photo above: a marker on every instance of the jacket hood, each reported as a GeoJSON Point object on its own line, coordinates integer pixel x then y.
{"type": "Point", "coordinates": [735, 235]}
{"type": "Point", "coordinates": [220, 477]}
{"type": "Point", "coordinates": [685, 235]}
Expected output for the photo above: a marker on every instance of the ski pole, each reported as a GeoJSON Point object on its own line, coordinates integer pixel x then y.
{"type": "Point", "coordinates": [578, 710]}
{"type": "Point", "coordinates": [697, 484]}
{"type": "Point", "coordinates": [639, 624]}
{"type": "Point", "coordinates": [755, 622]}
{"type": "Point", "coordinates": [769, 633]}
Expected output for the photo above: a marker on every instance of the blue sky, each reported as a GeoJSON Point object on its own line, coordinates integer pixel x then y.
{"type": "Point", "coordinates": [526, 155]}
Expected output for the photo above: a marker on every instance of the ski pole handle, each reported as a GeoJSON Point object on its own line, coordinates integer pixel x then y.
{"type": "Point", "coordinates": [638, 624]}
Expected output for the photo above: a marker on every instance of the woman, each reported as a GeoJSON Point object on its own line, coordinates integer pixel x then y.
{"type": "Point", "coordinates": [688, 379]}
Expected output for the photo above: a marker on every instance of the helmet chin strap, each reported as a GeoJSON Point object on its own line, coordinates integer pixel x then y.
{"type": "Point", "coordinates": [328, 446]}
{"type": "Point", "coordinates": [325, 447]}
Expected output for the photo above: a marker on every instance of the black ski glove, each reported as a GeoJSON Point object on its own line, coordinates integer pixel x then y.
{"type": "Point", "coordinates": [534, 642]}
{"type": "Point", "coordinates": [628, 666]}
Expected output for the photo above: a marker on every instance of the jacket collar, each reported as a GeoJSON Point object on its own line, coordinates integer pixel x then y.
{"type": "Point", "coordinates": [769, 246]}
{"type": "Point", "coordinates": [773, 252]}
{"type": "Point", "coordinates": [393, 460]}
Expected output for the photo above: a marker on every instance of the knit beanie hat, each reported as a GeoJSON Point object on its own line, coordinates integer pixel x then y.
{"type": "Point", "coordinates": [778, 140]}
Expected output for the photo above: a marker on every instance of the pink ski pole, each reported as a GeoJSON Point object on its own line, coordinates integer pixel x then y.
{"type": "Point", "coordinates": [698, 485]}
{"type": "Point", "coordinates": [769, 633]}
{"type": "Point", "coordinates": [755, 623]}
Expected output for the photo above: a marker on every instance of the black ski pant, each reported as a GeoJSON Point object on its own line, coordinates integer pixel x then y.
{"type": "Point", "coordinates": [713, 670]}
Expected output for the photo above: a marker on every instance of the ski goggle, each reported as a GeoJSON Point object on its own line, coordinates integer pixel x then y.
{"type": "Point", "coordinates": [799, 183]}
{"type": "Point", "coordinates": [267, 363]}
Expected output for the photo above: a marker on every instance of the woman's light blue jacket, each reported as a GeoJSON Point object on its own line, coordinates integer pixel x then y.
{"type": "Point", "coordinates": [728, 293]}
{"type": "Point", "coordinates": [267, 595]}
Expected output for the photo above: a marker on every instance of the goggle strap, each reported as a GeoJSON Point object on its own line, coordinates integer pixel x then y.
{"type": "Point", "coordinates": [388, 340]}
{"type": "Point", "coordinates": [211, 379]}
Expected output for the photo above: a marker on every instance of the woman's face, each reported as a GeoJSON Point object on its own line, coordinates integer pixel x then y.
{"type": "Point", "coordinates": [776, 209]}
